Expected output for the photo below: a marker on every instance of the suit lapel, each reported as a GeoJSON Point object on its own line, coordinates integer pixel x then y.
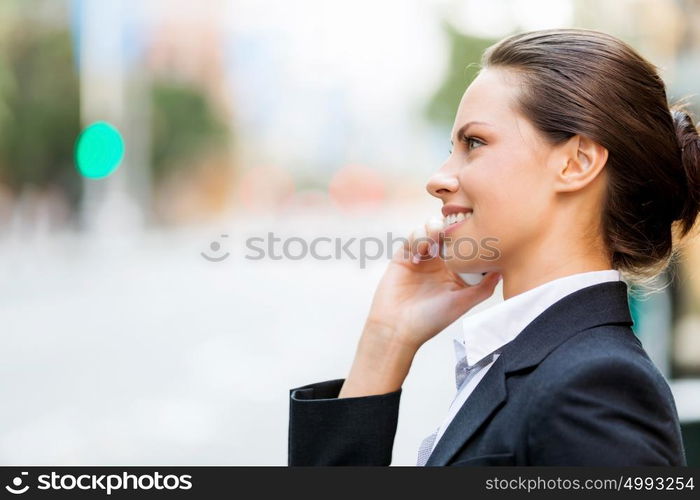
{"type": "Point", "coordinates": [489, 393]}
{"type": "Point", "coordinates": [604, 303]}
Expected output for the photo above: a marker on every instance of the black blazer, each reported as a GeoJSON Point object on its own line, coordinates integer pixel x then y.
{"type": "Point", "coordinates": [575, 387]}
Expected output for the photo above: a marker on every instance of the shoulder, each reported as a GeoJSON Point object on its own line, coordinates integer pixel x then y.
{"type": "Point", "coordinates": [601, 371]}
{"type": "Point", "coordinates": [603, 352]}
{"type": "Point", "coordinates": [606, 356]}
{"type": "Point", "coordinates": [599, 399]}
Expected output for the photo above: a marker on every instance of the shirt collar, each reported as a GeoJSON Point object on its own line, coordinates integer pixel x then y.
{"type": "Point", "coordinates": [488, 329]}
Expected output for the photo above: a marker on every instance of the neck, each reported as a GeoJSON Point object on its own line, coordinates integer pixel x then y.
{"type": "Point", "coordinates": [549, 262]}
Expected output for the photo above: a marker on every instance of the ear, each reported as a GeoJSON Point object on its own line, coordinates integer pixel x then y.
{"type": "Point", "coordinates": [581, 162]}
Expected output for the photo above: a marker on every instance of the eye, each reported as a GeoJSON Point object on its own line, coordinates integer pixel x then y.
{"type": "Point", "coordinates": [468, 140]}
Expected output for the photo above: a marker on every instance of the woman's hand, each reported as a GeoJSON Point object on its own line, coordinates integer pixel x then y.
{"type": "Point", "coordinates": [418, 296]}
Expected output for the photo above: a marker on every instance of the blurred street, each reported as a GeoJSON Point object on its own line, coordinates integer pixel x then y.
{"type": "Point", "coordinates": [140, 351]}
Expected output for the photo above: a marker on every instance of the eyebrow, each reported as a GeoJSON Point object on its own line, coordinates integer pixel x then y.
{"type": "Point", "coordinates": [464, 127]}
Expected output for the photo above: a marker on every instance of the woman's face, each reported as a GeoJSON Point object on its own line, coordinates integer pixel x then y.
{"type": "Point", "coordinates": [498, 169]}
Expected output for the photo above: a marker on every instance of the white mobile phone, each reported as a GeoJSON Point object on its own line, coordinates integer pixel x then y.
{"type": "Point", "coordinates": [472, 278]}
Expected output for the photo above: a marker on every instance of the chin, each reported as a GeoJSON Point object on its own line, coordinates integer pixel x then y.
{"type": "Point", "coordinates": [462, 265]}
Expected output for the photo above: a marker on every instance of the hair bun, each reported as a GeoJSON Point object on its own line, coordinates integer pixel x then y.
{"type": "Point", "coordinates": [689, 145]}
{"type": "Point", "coordinates": [685, 130]}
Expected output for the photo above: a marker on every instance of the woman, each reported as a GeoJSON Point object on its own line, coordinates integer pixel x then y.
{"type": "Point", "coordinates": [571, 169]}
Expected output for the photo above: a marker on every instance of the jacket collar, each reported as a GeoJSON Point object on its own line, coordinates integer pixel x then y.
{"type": "Point", "coordinates": [486, 330]}
{"type": "Point", "coordinates": [600, 304]}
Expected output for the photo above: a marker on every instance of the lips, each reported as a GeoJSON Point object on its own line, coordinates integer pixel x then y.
{"type": "Point", "coordinates": [454, 216]}
{"type": "Point", "coordinates": [455, 209]}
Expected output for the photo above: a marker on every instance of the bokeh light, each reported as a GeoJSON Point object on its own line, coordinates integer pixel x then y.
{"type": "Point", "coordinates": [99, 150]}
{"type": "Point", "coordinates": [357, 186]}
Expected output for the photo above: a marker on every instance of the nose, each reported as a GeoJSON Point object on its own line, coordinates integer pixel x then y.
{"type": "Point", "coordinates": [442, 183]}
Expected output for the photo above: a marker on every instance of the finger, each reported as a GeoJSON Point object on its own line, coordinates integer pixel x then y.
{"type": "Point", "coordinates": [424, 241]}
{"type": "Point", "coordinates": [434, 227]}
{"type": "Point", "coordinates": [427, 243]}
{"type": "Point", "coordinates": [418, 246]}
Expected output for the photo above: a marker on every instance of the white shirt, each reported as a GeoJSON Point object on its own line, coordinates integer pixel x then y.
{"type": "Point", "coordinates": [487, 330]}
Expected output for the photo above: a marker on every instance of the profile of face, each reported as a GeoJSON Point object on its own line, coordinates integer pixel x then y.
{"type": "Point", "coordinates": [502, 169]}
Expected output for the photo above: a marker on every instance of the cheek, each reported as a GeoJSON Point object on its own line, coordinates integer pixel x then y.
{"type": "Point", "coordinates": [507, 202]}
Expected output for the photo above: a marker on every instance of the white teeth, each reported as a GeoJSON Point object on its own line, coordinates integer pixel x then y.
{"type": "Point", "coordinates": [458, 217]}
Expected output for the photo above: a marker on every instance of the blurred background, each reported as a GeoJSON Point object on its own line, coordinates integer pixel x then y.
{"type": "Point", "coordinates": [143, 143]}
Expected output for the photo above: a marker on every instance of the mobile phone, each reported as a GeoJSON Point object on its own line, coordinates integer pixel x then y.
{"type": "Point", "coordinates": [472, 278]}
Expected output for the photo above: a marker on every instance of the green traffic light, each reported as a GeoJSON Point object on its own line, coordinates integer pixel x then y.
{"type": "Point", "coordinates": [99, 150]}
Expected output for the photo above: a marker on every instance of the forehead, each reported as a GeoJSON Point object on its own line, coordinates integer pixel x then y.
{"type": "Point", "coordinates": [488, 98]}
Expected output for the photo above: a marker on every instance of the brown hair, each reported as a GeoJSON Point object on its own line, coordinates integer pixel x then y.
{"type": "Point", "coordinates": [579, 81]}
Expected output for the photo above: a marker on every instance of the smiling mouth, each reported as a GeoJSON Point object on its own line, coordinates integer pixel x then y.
{"type": "Point", "coordinates": [456, 218]}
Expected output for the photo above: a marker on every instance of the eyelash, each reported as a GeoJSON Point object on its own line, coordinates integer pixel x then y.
{"type": "Point", "coordinates": [466, 139]}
